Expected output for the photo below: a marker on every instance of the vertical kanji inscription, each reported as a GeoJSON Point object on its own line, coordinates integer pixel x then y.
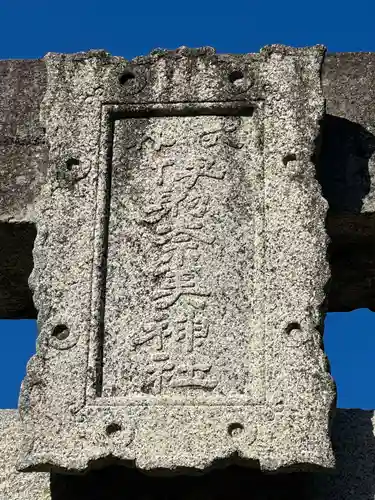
{"type": "Point", "coordinates": [179, 294]}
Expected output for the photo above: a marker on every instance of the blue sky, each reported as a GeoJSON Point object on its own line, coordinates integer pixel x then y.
{"type": "Point", "coordinates": [29, 29]}
{"type": "Point", "coordinates": [130, 28]}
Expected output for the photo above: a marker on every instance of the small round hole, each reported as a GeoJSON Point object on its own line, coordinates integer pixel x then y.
{"type": "Point", "coordinates": [292, 326]}
{"type": "Point", "coordinates": [126, 77]}
{"type": "Point", "coordinates": [112, 428]}
{"type": "Point", "coordinates": [235, 429]}
{"type": "Point", "coordinates": [289, 157]}
{"type": "Point", "coordinates": [236, 77]}
{"type": "Point", "coordinates": [60, 332]}
{"type": "Point", "coordinates": [71, 163]}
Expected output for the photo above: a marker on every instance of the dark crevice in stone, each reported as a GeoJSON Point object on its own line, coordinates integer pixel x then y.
{"type": "Point", "coordinates": [120, 483]}
{"type": "Point", "coordinates": [16, 245]}
{"type": "Point", "coordinates": [343, 173]}
{"type": "Point", "coordinates": [343, 169]}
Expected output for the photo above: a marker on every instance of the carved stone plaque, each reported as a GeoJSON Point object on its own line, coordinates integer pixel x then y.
{"type": "Point", "coordinates": [184, 247]}
{"type": "Point", "coordinates": [180, 265]}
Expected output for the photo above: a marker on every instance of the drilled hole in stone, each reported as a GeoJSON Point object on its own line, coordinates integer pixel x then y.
{"type": "Point", "coordinates": [292, 326]}
{"type": "Point", "coordinates": [113, 428]}
{"type": "Point", "coordinates": [236, 77]}
{"type": "Point", "coordinates": [126, 77]}
{"type": "Point", "coordinates": [288, 158]}
{"type": "Point", "coordinates": [60, 332]}
{"type": "Point", "coordinates": [235, 429]}
{"type": "Point", "coordinates": [71, 163]}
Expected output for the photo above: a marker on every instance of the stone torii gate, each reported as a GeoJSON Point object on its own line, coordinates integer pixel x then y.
{"type": "Point", "coordinates": [182, 222]}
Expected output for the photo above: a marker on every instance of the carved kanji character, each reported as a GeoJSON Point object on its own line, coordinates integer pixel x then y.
{"type": "Point", "coordinates": [176, 284]}
{"type": "Point", "coordinates": [154, 212]}
{"type": "Point", "coordinates": [168, 202]}
{"type": "Point", "coordinates": [157, 138]}
{"type": "Point", "coordinates": [192, 329]}
{"type": "Point", "coordinates": [160, 171]}
{"type": "Point", "coordinates": [182, 232]}
{"type": "Point", "coordinates": [156, 331]}
{"type": "Point", "coordinates": [202, 167]}
{"type": "Point", "coordinates": [159, 373]}
{"type": "Point", "coordinates": [193, 375]}
{"type": "Point", "coordinates": [178, 239]}
{"type": "Point", "coordinates": [197, 206]}
{"type": "Point", "coordinates": [212, 137]}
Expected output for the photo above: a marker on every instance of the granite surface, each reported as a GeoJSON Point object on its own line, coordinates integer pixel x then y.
{"type": "Point", "coordinates": [345, 168]}
{"type": "Point", "coordinates": [353, 442]}
{"type": "Point", "coordinates": [180, 265]}
{"type": "Point", "coordinates": [15, 485]}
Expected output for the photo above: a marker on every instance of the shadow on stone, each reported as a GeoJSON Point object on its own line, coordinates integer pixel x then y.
{"type": "Point", "coordinates": [16, 245]}
{"type": "Point", "coordinates": [120, 483]}
{"type": "Point", "coordinates": [343, 172]}
{"type": "Point", "coordinates": [354, 445]}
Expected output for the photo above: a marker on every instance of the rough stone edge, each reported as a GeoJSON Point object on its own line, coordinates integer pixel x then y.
{"type": "Point", "coordinates": [353, 439]}
{"type": "Point", "coordinates": [35, 366]}
{"type": "Point", "coordinates": [309, 120]}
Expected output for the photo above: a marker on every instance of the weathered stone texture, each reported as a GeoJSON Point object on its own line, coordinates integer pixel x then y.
{"type": "Point", "coordinates": [354, 444]}
{"type": "Point", "coordinates": [353, 441]}
{"type": "Point", "coordinates": [23, 152]}
{"type": "Point", "coordinates": [179, 264]}
{"type": "Point", "coordinates": [15, 485]}
{"type": "Point", "coordinates": [345, 168]}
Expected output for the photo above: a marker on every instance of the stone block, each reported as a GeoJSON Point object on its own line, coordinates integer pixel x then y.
{"type": "Point", "coordinates": [15, 485]}
{"type": "Point", "coordinates": [353, 441]}
{"type": "Point", "coordinates": [180, 265]}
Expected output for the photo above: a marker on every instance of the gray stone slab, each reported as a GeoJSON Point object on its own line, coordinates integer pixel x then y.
{"type": "Point", "coordinates": [353, 440]}
{"type": "Point", "coordinates": [179, 264]}
{"type": "Point", "coordinates": [23, 152]}
{"type": "Point", "coordinates": [15, 485]}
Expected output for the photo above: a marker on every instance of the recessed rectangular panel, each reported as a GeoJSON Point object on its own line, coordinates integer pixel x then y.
{"type": "Point", "coordinates": [185, 215]}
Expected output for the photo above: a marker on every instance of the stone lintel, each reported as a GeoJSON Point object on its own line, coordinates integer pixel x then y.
{"type": "Point", "coordinates": [23, 164]}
